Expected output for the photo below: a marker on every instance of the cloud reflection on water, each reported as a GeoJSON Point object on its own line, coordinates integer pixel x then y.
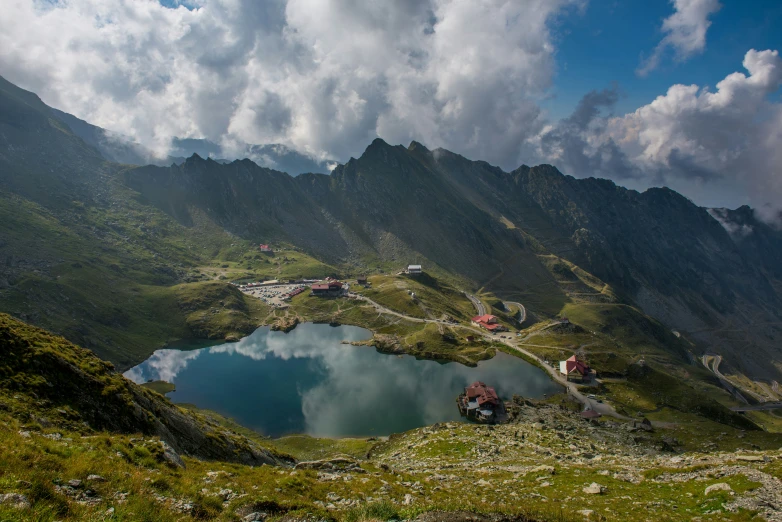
{"type": "Point", "coordinates": [163, 365]}
{"type": "Point", "coordinates": [342, 389]}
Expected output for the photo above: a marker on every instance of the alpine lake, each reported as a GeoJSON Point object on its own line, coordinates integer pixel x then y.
{"type": "Point", "coordinates": [310, 381]}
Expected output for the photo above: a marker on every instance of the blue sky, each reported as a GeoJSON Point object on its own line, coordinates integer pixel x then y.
{"type": "Point", "coordinates": [606, 42]}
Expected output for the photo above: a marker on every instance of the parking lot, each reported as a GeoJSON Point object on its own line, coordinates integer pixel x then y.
{"type": "Point", "coordinates": [275, 295]}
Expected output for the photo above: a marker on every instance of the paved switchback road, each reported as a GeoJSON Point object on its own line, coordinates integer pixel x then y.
{"type": "Point", "coordinates": [712, 363]}
{"type": "Point", "coordinates": [522, 310]}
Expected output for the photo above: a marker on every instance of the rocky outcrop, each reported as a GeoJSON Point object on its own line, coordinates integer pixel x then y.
{"type": "Point", "coordinates": [15, 500]}
{"type": "Point", "coordinates": [285, 324]}
{"type": "Point", "coordinates": [332, 465]}
{"type": "Point", "coordinates": [594, 489]}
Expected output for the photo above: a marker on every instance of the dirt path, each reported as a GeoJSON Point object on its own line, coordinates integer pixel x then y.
{"type": "Point", "coordinates": [384, 310]}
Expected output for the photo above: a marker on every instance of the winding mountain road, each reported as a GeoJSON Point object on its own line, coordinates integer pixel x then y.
{"type": "Point", "coordinates": [522, 310]}
{"type": "Point", "coordinates": [479, 306]}
{"type": "Point", "coordinates": [712, 363]}
{"type": "Point", "coordinates": [572, 388]}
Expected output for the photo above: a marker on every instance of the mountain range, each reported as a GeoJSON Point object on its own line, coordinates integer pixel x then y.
{"type": "Point", "coordinates": [712, 274]}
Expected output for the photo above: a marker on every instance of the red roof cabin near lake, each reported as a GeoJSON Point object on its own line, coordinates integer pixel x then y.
{"type": "Point", "coordinates": [480, 402]}
{"type": "Point", "coordinates": [489, 322]}
{"type": "Point", "coordinates": [572, 368]}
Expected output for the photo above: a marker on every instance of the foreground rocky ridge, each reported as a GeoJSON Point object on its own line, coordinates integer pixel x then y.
{"type": "Point", "coordinates": [69, 386]}
{"type": "Point", "coordinates": [599, 470]}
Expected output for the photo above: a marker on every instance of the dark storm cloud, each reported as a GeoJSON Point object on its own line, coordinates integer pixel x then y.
{"type": "Point", "coordinates": [570, 140]}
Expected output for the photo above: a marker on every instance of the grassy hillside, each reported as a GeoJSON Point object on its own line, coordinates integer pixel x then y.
{"type": "Point", "coordinates": [434, 297]}
{"type": "Point", "coordinates": [123, 280]}
{"type": "Point", "coordinates": [50, 380]}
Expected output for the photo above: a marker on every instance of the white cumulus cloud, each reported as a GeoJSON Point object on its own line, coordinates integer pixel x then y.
{"type": "Point", "coordinates": [320, 76]}
{"type": "Point", "coordinates": [720, 147]}
{"type": "Point", "coordinates": [685, 32]}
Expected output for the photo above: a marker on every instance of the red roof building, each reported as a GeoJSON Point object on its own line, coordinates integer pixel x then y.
{"type": "Point", "coordinates": [572, 367]}
{"type": "Point", "coordinates": [481, 394]}
{"type": "Point", "coordinates": [327, 287]}
{"type": "Point", "coordinates": [489, 322]}
{"type": "Point", "coordinates": [265, 248]}
{"type": "Point", "coordinates": [481, 403]}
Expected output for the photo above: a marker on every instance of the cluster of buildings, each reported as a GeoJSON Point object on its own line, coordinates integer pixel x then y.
{"type": "Point", "coordinates": [488, 322]}
{"type": "Point", "coordinates": [480, 403]}
{"type": "Point", "coordinates": [295, 292]}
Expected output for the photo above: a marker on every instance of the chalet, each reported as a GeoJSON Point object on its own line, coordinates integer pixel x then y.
{"type": "Point", "coordinates": [362, 280]}
{"type": "Point", "coordinates": [488, 322]}
{"type": "Point", "coordinates": [573, 369]}
{"type": "Point", "coordinates": [327, 288]}
{"type": "Point", "coordinates": [480, 402]}
{"type": "Point", "coordinates": [265, 248]}
{"type": "Point", "coordinates": [414, 270]}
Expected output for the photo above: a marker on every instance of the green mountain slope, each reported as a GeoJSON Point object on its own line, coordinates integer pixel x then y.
{"type": "Point", "coordinates": [132, 234]}
{"type": "Point", "coordinates": [82, 257]}
{"type": "Point", "coordinates": [489, 227]}
{"type": "Point", "coordinates": [73, 388]}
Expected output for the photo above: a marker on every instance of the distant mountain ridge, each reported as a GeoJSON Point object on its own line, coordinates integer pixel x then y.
{"type": "Point", "coordinates": [273, 156]}
{"type": "Point", "coordinates": [493, 229]}
{"type": "Point", "coordinates": [122, 149]}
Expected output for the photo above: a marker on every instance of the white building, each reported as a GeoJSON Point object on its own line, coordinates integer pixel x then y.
{"type": "Point", "coordinates": [414, 269]}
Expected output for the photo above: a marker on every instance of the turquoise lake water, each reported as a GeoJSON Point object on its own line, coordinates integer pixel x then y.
{"type": "Point", "coordinates": [307, 381]}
